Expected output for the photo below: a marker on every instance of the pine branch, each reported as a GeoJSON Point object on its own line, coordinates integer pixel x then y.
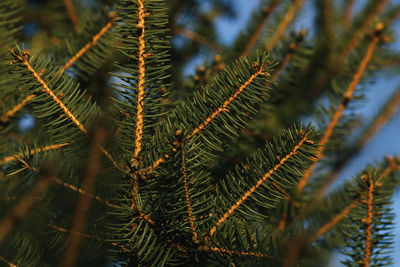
{"type": "Point", "coordinates": [368, 221]}
{"type": "Point", "coordinates": [359, 33]}
{"type": "Point", "coordinates": [84, 202]}
{"type": "Point", "coordinates": [267, 175]}
{"type": "Point", "coordinates": [348, 12]}
{"type": "Point", "coordinates": [79, 234]}
{"type": "Point", "coordinates": [72, 15]}
{"type": "Point", "coordinates": [257, 32]}
{"type": "Point", "coordinates": [345, 100]}
{"type": "Point", "coordinates": [332, 223]}
{"type": "Point", "coordinates": [32, 152]}
{"type": "Point", "coordinates": [90, 44]}
{"type": "Point", "coordinates": [84, 192]}
{"type": "Point", "coordinates": [16, 108]}
{"type": "Point", "coordinates": [141, 81]}
{"type": "Point", "coordinates": [196, 37]}
{"type": "Point", "coordinates": [187, 198]}
{"type": "Point", "coordinates": [23, 206]}
{"type": "Point", "coordinates": [7, 262]}
{"type": "Point", "coordinates": [281, 28]}
{"type": "Point", "coordinates": [224, 251]}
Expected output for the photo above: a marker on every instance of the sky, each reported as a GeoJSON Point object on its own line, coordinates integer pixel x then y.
{"type": "Point", "coordinates": [386, 142]}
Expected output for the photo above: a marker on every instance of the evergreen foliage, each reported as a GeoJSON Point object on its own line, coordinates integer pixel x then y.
{"type": "Point", "coordinates": [128, 162]}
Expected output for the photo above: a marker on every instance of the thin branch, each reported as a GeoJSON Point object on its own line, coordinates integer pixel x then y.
{"type": "Point", "coordinates": [359, 33]}
{"type": "Point", "coordinates": [16, 108]}
{"type": "Point", "coordinates": [196, 37]}
{"type": "Point", "coordinates": [285, 22]}
{"type": "Point", "coordinates": [84, 192]}
{"type": "Point", "coordinates": [256, 34]}
{"type": "Point", "coordinates": [329, 225]}
{"type": "Point", "coordinates": [7, 262]}
{"type": "Point", "coordinates": [187, 199]}
{"type": "Point", "coordinates": [257, 185]}
{"type": "Point", "coordinates": [72, 15]}
{"type": "Point", "coordinates": [339, 111]}
{"type": "Point", "coordinates": [23, 206]}
{"type": "Point", "coordinates": [89, 45]}
{"type": "Point", "coordinates": [348, 13]}
{"type": "Point", "coordinates": [72, 232]}
{"type": "Point", "coordinates": [368, 222]}
{"type": "Point", "coordinates": [141, 81]}
{"type": "Point", "coordinates": [224, 251]}
{"type": "Point", "coordinates": [224, 106]}
{"type": "Point", "coordinates": [31, 152]}
{"type": "Point", "coordinates": [84, 202]}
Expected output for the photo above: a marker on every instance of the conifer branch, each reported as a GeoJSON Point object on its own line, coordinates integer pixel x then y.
{"type": "Point", "coordinates": [359, 33]}
{"type": "Point", "coordinates": [23, 206]}
{"type": "Point", "coordinates": [368, 222]}
{"type": "Point", "coordinates": [224, 251]}
{"type": "Point", "coordinates": [31, 152]}
{"type": "Point", "coordinates": [329, 225]}
{"type": "Point", "coordinates": [187, 198]}
{"type": "Point", "coordinates": [47, 90]}
{"type": "Point", "coordinates": [84, 192]}
{"type": "Point", "coordinates": [16, 108]}
{"type": "Point", "coordinates": [257, 185]}
{"type": "Point", "coordinates": [281, 28]}
{"type": "Point", "coordinates": [84, 201]}
{"type": "Point", "coordinates": [348, 13]}
{"type": "Point", "coordinates": [75, 233]}
{"type": "Point", "coordinates": [201, 39]}
{"type": "Point", "coordinates": [67, 65]}
{"type": "Point", "coordinates": [141, 81]}
{"type": "Point", "coordinates": [89, 45]}
{"type": "Point", "coordinates": [72, 15]}
{"type": "Point", "coordinates": [256, 34]}
{"type": "Point", "coordinates": [224, 106]}
{"type": "Point", "coordinates": [339, 111]}
{"type": "Point", "coordinates": [7, 262]}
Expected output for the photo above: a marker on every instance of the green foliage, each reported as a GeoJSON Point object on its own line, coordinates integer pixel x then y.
{"type": "Point", "coordinates": [130, 162]}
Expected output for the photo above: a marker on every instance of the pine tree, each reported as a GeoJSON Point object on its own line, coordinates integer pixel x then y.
{"type": "Point", "coordinates": [129, 162]}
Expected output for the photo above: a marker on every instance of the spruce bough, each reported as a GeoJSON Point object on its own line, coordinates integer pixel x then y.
{"type": "Point", "coordinates": [130, 163]}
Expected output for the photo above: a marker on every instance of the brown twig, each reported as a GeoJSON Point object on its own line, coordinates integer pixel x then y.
{"type": "Point", "coordinates": [72, 15]}
{"type": "Point", "coordinates": [23, 206]}
{"type": "Point", "coordinates": [16, 108]}
{"type": "Point", "coordinates": [368, 222]}
{"type": "Point", "coordinates": [32, 151]}
{"type": "Point", "coordinates": [7, 262]}
{"type": "Point", "coordinates": [285, 22]}
{"type": "Point", "coordinates": [249, 192]}
{"type": "Point", "coordinates": [256, 34]}
{"type": "Point", "coordinates": [194, 36]}
{"type": "Point", "coordinates": [339, 111]}
{"type": "Point", "coordinates": [84, 201]}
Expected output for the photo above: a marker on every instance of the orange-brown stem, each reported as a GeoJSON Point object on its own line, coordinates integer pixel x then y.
{"type": "Point", "coordinates": [31, 152]}
{"type": "Point", "coordinates": [338, 218]}
{"type": "Point", "coordinates": [249, 192]}
{"type": "Point", "coordinates": [7, 262]}
{"type": "Point", "coordinates": [359, 33]}
{"type": "Point", "coordinates": [23, 206]}
{"type": "Point", "coordinates": [338, 113]}
{"type": "Point", "coordinates": [285, 22]}
{"type": "Point", "coordinates": [84, 201]}
{"type": "Point", "coordinates": [187, 198]}
{"type": "Point", "coordinates": [225, 105]}
{"type": "Point", "coordinates": [198, 38]}
{"type": "Point", "coordinates": [224, 251]}
{"type": "Point", "coordinates": [89, 45]}
{"type": "Point", "coordinates": [16, 108]}
{"type": "Point", "coordinates": [368, 222]}
{"type": "Point", "coordinates": [72, 15]}
{"type": "Point", "coordinates": [256, 34]}
{"type": "Point", "coordinates": [141, 81]}
{"type": "Point", "coordinates": [348, 13]}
